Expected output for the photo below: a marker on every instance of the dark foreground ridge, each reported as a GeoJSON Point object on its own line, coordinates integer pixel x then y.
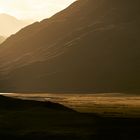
{"type": "Point", "coordinates": [18, 104]}
{"type": "Point", "coordinates": [33, 120]}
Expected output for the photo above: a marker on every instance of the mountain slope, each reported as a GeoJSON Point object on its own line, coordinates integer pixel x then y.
{"type": "Point", "coordinates": [10, 25]}
{"type": "Point", "coordinates": [92, 46]}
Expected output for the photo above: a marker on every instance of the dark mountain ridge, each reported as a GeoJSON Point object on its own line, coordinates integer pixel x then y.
{"type": "Point", "coordinates": [91, 46]}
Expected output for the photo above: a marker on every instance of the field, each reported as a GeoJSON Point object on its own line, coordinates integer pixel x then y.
{"type": "Point", "coordinates": [105, 119]}
{"type": "Point", "coordinates": [112, 104]}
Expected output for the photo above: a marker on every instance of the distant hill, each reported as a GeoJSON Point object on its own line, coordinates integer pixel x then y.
{"type": "Point", "coordinates": [91, 46]}
{"type": "Point", "coordinates": [1, 39]}
{"type": "Point", "coordinates": [10, 25]}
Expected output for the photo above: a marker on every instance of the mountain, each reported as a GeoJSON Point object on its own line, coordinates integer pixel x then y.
{"type": "Point", "coordinates": [91, 46]}
{"type": "Point", "coordinates": [2, 39]}
{"type": "Point", "coordinates": [10, 25]}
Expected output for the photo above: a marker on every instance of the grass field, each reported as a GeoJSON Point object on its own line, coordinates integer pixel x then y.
{"type": "Point", "coordinates": [33, 120]}
{"type": "Point", "coordinates": [112, 104]}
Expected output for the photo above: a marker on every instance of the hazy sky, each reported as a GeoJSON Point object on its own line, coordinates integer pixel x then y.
{"type": "Point", "coordinates": [33, 9]}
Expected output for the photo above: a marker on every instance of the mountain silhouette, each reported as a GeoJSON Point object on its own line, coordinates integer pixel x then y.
{"type": "Point", "coordinates": [10, 25]}
{"type": "Point", "coordinates": [91, 46]}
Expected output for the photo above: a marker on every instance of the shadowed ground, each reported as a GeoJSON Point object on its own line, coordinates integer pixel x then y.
{"type": "Point", "coordinates": [21, 119]}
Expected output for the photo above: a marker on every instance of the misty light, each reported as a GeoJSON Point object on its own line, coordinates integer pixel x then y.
{"type": "Point", "coordinates": [33, 9]}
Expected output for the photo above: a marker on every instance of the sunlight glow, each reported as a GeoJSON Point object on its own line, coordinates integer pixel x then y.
{"type": "Point", "coordinates": [33, 9]}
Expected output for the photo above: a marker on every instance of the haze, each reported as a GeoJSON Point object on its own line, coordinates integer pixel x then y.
{"type": "Point", "coordinates": [33, 9]}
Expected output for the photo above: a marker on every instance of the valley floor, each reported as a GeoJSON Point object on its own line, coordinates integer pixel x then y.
{"type": "Point", "coordinates": [105, 104]}
{"type": "Point", "coordinates": [26, 119]}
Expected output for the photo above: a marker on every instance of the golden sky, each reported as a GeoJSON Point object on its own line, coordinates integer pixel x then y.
{"type": "Point", "coordinates": [33, 9]}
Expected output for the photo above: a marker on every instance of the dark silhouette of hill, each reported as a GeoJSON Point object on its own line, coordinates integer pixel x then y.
{"type": "Point", "coordinates": [2, 39]}
{"type": "Point", "coordinates": [16, 104]}
{"type": "Point", "coordinates": [10, 25]}
{"type": "Point", "coordinates": [24, 119]}
{"type": "Point", "coordinates": [91, 46]}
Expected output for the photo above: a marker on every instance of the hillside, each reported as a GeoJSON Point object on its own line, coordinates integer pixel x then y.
{"type": "Point", "coordinates": [10, 25]}
{"type": "Point", "coordinates": [91, 46]}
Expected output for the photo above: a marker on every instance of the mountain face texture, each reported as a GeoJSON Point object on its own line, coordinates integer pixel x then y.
{"type": "Point", "coordinates": [91, 46]}
{"type": "Point", "coordinates": [10, 25]}
{"type": "Point", "coordinates": [2, 39]}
